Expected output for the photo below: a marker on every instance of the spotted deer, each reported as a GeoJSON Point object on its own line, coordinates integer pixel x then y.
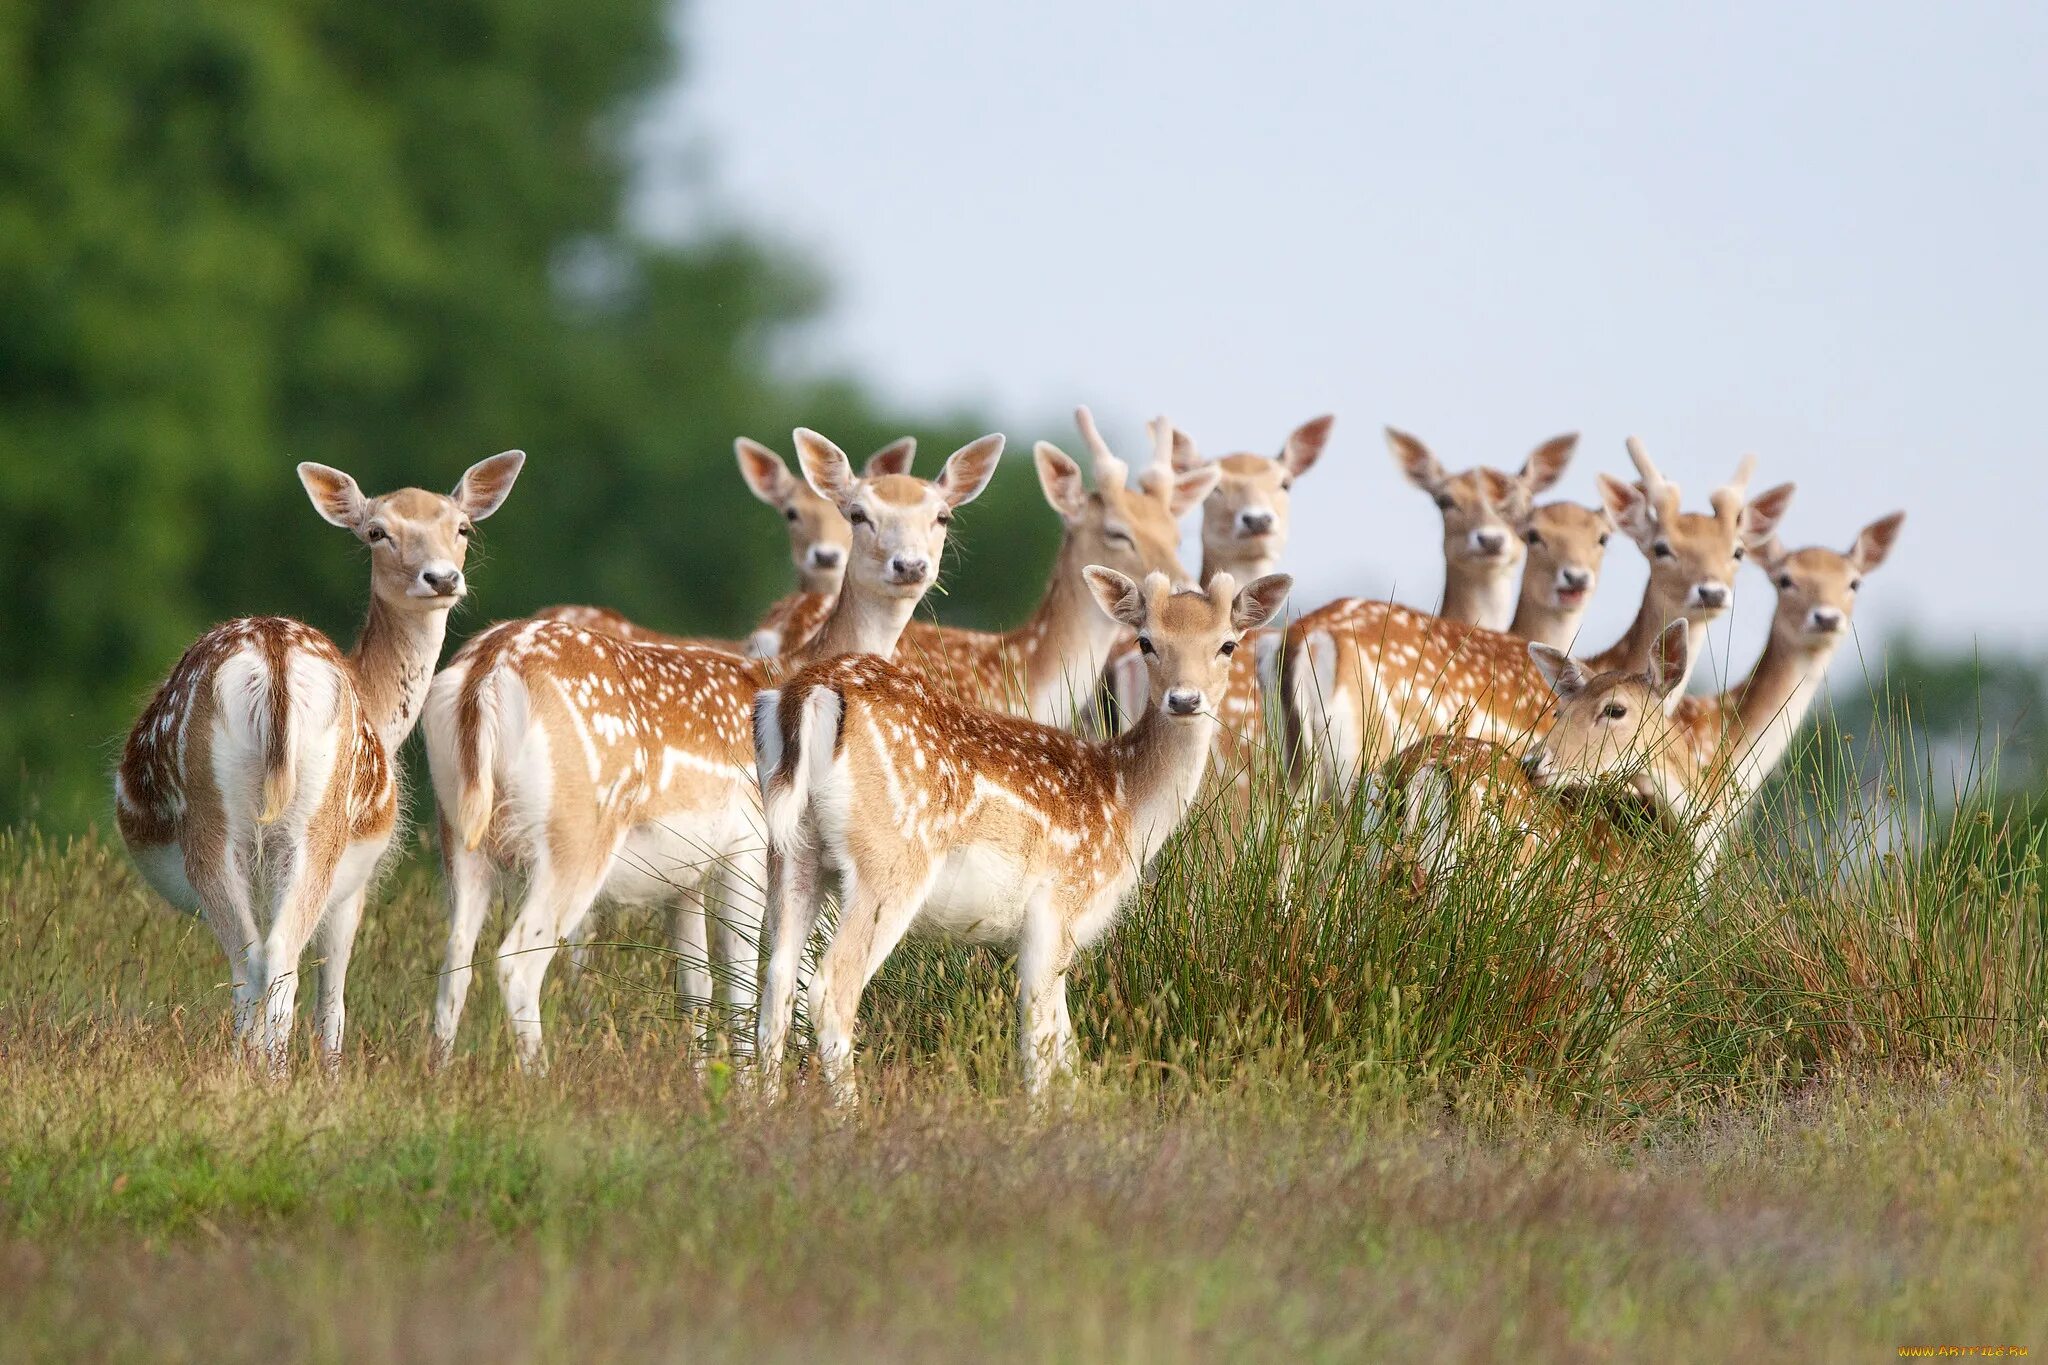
{"type": "Point", "coordinates": [1364, 679]}
{"type": "Point", "coordinates": [1049, 667]}
{"type": "Point", "coordinates": [260, 787]}
{"type": "Point", "coordinates": [624, 770]}
{"type": "Point", "coordinates": [1244, 533]}
{"type": "Point", "coordinates": [969, 824]}
{"type": "Point", "coordinates": [818, 539]}
{"type": "Point", "coordinates": [1567, 544]}
{"type": "Point", "coordinates": [1482, 553]}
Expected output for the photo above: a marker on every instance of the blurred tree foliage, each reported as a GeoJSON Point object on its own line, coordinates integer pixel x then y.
{"type": "Point", "coordinates": [239, 233]}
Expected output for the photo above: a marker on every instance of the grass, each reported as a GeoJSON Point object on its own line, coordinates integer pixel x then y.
{"type": "Point", "coordinates": [1798, 1116]}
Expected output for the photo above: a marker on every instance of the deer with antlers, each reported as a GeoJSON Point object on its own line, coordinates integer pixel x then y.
{"type": "Point", "coordinates": [818, 540]}
{"type": "Point", "coordinates": [1480, 507]}
{"type": "Point", "coordinates": [1364, 679]}
{"type": "Point", "coordinates": [624, 770]}
{"type": "Point", "coordinates": [260, 787]}
{"type": "Point", "coordinates": [962, 822]}
{"type": "Point", "coordinates": [1049, 667]}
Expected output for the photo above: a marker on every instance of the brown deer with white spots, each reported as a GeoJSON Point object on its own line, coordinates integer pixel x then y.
{"type": "Point", "coordinates": [1365, 679]}
{"type": "Point", "coordinates": [818, 541]}
{"type": "Point", "coordinates": [1480, 506]}
{"type": "Point", "coordinates": [1245, 523]}
{"type": "Point", "coordinates": [260, 788]}
{"type": "Point", "coordinates": [958, 821]}
{"type": "Point", "coordinates": [1697, 760]}
{"type": "Point", "coordinates": [1566, 545]}
{"type": "Point", "coordinates": [615, 769]}
{"type": "Point", "coordinates": [1050, 667]}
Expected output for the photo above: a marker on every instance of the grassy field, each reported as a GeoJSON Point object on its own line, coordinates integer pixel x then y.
{"type": "Point", "coordinates": [1800, 1118]}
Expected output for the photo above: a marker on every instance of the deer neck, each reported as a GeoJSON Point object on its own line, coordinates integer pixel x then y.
{"type": "Point", "coordinates": [1632, 650]}
{"type": "Point", "coordinates": [1765, 710]}
{"type": "Point", "coordinates": [1064, 646]}
{"type": "Point", "coordinates": [1538, 620]}
{"type": "Point", "coordinates": [1159, 763]}
{"type": "Point", "coordinates": [862, 622]}
{"type": "Point", "coordinates": [1241, 565]}
{"type": "Point", "coordinates": [1482, 596]}
{"type": "Point", "coordinates": [393, 662]}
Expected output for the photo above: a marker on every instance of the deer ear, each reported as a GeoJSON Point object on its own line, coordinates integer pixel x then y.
{"type": "Point", "coordinates": [1189, 489]}
{"type": "Point", "coordinates": [1061, 479]}
{"type": "Point", "coordinates": [1117, 595]}
{"type": "Point", "coordinates": [1259, 601]}
{"type": "Point", "coordinates": [1504, 492]}
{"type": "Point", "coordinates": [1670, 657]}
{"type": "Point", "coordinates": [334, 494]}
{"type": "Point", "coordinates": [1305, 445]}
{"type": "Point", "coordinates": [826, 468]}
{"type": "Point", "coordinates": [485, 483]}
{"type": "Point", "coordinates": [969, 469]}
{"type": "Point", "coordinates": [1874, 542]}
{"type": "Point", "coordinates": [1415, 461]}
{"type": "Point", "coordinates": [1185, 454]}
{"type": "Point", "coordinates": [764, 471]}
{"type": "Point", "coordinates": [1760, 517]}
{"type": "Point", "coordinates": [1545, 465]}
{"type": "Point", "coordinates": [1628, 507]}
{"type": "Point", "coordinates": [1567, 676]}
{"type": "Point", "coordinates": [893, 458]}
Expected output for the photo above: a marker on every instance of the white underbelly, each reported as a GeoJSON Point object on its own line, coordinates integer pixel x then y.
{"type": "Point", "coordinates": [163, 867]}
{"type": "Point", "coordinates": [980, 895]}
{"type": "Point", "coordinates": [358, 864]}
{"type": "Point", "coordinates": [658, 860]}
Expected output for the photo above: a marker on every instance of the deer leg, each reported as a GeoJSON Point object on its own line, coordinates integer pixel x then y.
{"type": "Point", "coordinates": [689, 941]}
{"type": "Point", "coordinates": [222, 885]}
{"type": "Point", "coordinates": [557, 899]}
{"type": "Point", "coordinates": [302, 893]}
{"type": "Point", "coordinates": [1044, 1029]}
{"type": "Point", "coordinates": [338, 941]}
{"type": "Point", "coordinates": [791, 915]}
{"type": "Point", "coordinates": [468, 875]}
{"type": "Point", "coordinates": [736, 925]}
{"type": "Point", "coordinates": [872, 921]}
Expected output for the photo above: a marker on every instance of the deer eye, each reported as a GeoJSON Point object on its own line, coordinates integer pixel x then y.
{"type": "Point", "coordinates": [1603, 537]}
{"type": "Point", "coordinates": [1145, 645]}
{"type": "Point", "coordinates": [858, 516]}
{"type": "Point", "coordinates": [1286, 484]}
{"type": "Point", "coordinates": [1785, 581]}
{"type": "Point", "coordinates": [945, 518]}
{"type": "Point", "coordinates": [1533, 537]}
{"type": "Point", "coordinates": [1229, 648]}
{"type": "Point", "coordinates": [1445, 501]}
{"type": "Point", "coordinates": [1854, 584]}
{"type": "Point", "coordinates": [464, 530]}
{"type": "Point", "coordinates": [375, 534]}
{"type": "Point", "coordinates": [1739, 553]}
{"type": "Point", "coordinates": [1118, 535]}
{"type": "Point", "coordinates": [1614, 710]}
{"type": "Point", "coordinates": [1662, 549]}
{"type": "Point", "coordinates": [790, 513]}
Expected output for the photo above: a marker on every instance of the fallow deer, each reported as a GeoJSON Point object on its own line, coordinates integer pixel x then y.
{"type": "Point", "coordinates": [1364, 679]}
{"type": "Point", "coordinates": [609, 768]}
{"type": "Point", "coordinates": [260, 788]}
{"type": "Point", "coordinates": [1050, 667]}
{"type": "Point", "coordinates": [969, 824]}
{"type": "Point", "coordinates": [1480, 506]}
{"type": "Point", "coordinates": [1566, 546]}
{"type": "Point", "coordinates": [818, 539]}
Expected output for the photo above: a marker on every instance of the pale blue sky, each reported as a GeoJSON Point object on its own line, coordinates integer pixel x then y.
{"type": "Point", "coordinates": [1814, 232]}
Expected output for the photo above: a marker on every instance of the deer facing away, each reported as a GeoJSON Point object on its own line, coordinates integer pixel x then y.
{"type": "Point", "coordinates": [963, 822]}
{"type": "Point", "coordinates": [259, 787]}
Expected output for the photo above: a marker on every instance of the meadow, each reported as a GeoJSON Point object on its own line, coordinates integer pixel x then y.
{"type": "Point", "coordinates": [1793, 1116]}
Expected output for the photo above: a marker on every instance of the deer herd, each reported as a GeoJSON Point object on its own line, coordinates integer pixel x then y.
{"type": "Point", "coordinates": [1004, 788]}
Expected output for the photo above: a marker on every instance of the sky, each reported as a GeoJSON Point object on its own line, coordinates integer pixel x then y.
{"type": "Point", "coordinates": [1811, 232]}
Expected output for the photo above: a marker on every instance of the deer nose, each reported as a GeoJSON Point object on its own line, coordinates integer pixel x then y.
{"type": "Point", "coordinates": [1826, 619]}
{"type": "Point", "coordinates": [442, 582]}
{"type": "Point", "coordinates": [826, 556]}
{"type": "Point", "coordinates": [1575, 579]}
{"type": "Point", "coordinates": [1489, 542]}
{"type": "Point", "coordinates": [1712, 596]}
{"type": "Point", "coordinates": [1183, 701]}
{"type": "Point", "coordinates": [1255, 523]}
{"type": "Point", "coordinates": [908, 568]}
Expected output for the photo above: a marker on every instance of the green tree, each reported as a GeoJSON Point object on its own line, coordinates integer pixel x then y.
{"type": "Point", "coordinates": [239, 233]}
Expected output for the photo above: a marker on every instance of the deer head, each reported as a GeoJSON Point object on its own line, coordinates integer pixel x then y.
{"type": "Point", "coordinates": [1245, 518]}
{"type": "Point", "coordinates": [418, 540]}
{"type": "Point", "coordinates": [1611, 724]}
{"type": "Point", "coordinates": [1132, 527]}
{"type": "Point", "coordinates": [1481, 505]}
{"type": "Point", "coordinates": [897, 523]}
{"type": "Point", "coordinates": [1566, 545]}
{"type": "Point", "coordinates": [1692, 554]}
{"type": "Point", "coordinates": [1187, 638]}
{"type": "Point", "coordinates": [818, 535]}
{"type": "Point", "coordinates": [1817, 587]}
